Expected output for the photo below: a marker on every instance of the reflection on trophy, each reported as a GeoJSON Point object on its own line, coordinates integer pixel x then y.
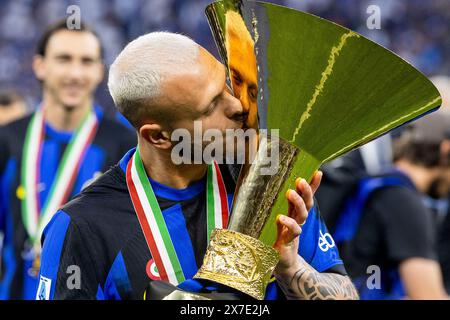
{"type": "Point", "coordinates": [240, 49]}
{"type": "Point", "coordinates": [327, 89]}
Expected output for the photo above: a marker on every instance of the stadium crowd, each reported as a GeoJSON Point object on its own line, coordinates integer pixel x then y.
{"type": "Point", "coordinates": [416, 30]}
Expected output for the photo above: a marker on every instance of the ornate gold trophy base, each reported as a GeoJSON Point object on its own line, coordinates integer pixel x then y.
{"type": "Point", "coordinates": [239, 261]}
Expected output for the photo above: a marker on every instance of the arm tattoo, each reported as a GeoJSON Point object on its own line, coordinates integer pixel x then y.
{"type": "Point", "coordinates": [308, 284]}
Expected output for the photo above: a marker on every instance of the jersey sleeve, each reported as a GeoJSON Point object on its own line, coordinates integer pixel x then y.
{"type": "Point", "coordinates": [317, 246]}
{"type": "Point", "coordinates": [3, 199]}
{"type": "Point", "coordinates": [3, 152]}
{"type": "Point", "coordinates": [4, 182]}
{"type": "Point", "coordinates": [67, 266]}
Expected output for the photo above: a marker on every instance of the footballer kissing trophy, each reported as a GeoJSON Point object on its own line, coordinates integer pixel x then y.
{"type": "Point", "coordinates": [327, 89]}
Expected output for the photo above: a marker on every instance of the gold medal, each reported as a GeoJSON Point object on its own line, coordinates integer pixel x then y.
{"type": "Point", "coordinates": [35, 268]}
{"type": "Point", "coordinates": [20, 192]}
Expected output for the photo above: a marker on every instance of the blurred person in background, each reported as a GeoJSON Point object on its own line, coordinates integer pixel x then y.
{"type": "Point", "coordinates": [443, 85]}
{"type": "Point", "coordinates": [12, 106]}
{"type": "Point", "coordinates": [342, 175]}
{"type": "Point", "coordinates": [49, 156]}
{"type": "Point", "coordinates": [383, 220]}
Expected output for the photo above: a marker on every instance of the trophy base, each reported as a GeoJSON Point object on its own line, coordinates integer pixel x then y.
{"type": "Point", "coordinates": [238, 261]}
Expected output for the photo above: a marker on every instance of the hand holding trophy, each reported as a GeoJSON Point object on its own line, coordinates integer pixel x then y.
{"type": "Point", "coordinates": [325, 90]}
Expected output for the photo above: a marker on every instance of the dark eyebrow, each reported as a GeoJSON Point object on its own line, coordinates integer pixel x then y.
{"type": "Point", "coordinates": [69, 56]}
{"type": "Point", "coordinates": [234, 70]}
{"type": "Point", "coordinates": [63, 56]}
{"type": "Point", "coordinates": [88, 59]}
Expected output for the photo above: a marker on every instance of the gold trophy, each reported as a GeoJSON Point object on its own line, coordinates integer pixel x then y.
{"type": "Point", "coordinates": [327, 89]}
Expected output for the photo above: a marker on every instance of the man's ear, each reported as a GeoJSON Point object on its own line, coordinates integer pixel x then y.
{"type": "Point", "coordinates": [154, 134]}
{"type": "Point", "coordinates": [39, 67]}
{"type": "Point", "coordinates": [445, 152]}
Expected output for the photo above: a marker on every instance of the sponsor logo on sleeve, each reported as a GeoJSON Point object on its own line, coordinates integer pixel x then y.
{"type": "Point", "coordinates": [43, 292]}
{"type": "Point", "coordinates": [326, 241]}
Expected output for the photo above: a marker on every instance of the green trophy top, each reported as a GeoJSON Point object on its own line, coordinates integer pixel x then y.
{"type": "Point", "coordinates": [326, 88]}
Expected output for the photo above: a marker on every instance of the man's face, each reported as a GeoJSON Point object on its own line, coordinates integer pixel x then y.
{"type": "Point", "coordinates": [202, 95]}
{"type": "Point", "coordinates": [72, 67]}
{"type": "Point", "coordinates": [242, 66]}
{"type": "Point", "coordinates": [243, 78]}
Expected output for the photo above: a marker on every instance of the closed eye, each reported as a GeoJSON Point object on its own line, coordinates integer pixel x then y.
{"type": "Point", "coordinates": [212, 106]}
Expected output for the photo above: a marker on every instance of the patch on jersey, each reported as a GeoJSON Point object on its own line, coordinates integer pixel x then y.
{"type": "Point", "coordinates": [152, 271]}
{"type": "Point", "coordinates": [43, 292]}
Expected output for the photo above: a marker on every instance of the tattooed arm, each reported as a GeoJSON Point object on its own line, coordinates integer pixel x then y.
{"type": "Point", "coordinates": [307, 284]}
{"type": "Point", "coordinates": [296, 277]}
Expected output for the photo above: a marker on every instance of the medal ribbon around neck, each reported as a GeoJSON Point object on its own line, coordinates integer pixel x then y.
{"type": "Point", "coordinates": [152, 221]}
{"type": "Point", "coordinates": [34, 216]}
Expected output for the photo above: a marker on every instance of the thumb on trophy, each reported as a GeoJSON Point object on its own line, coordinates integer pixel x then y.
{"type": "Point", "coordinates": [288, 232]}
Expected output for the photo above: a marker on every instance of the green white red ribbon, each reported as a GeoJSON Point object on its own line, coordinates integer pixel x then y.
{"type": "Point", "coordinates": [34, 215]}
{"type": "Point", "coordinates": [152, 221]}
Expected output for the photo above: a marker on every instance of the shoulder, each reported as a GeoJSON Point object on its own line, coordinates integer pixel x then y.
{"type": "Point", "coordinates": [104, 207]}
{"type": "Point", "coordinates": [12, 137]}
{"type": "Point", "coordinates": [406, 223]}
{"type": "Point", "coordinates": [397, 202]}
{"type": "Point", "coordinates": [101, 219]}
{"type": "Point", "coordinates": [15, 129]}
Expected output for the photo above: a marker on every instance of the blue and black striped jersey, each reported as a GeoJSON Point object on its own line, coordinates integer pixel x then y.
{"type": "Point", "coordinates": [97, 238]}
{"type": "Point", "coordinates": [111, 141]}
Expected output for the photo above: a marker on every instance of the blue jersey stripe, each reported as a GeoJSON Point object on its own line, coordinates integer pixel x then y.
{"type": "Point", "coordinates": [100, 295]}
{"type": "Point", "coordinates": [9, 259]}
{"type": "Point", "coordinates": [117, 283]}
{"type": "Point", "coordinates": [176, 224]}
{"type": "Point", "coordinates": [54, 234]}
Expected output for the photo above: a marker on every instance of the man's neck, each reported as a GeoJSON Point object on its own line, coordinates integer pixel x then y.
{"type": "Point", "coordinates": [64, 118]}
{"type": "Point", "coordinates": [160, 168]}
{"type": "Point", "coordinates": [420, 176]}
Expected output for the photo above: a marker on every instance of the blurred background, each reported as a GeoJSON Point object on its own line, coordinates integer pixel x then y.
{"type": "Point", "coordinates": [417, 30]}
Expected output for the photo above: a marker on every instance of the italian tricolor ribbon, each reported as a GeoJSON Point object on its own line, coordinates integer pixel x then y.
{"type": "Point", "coordinates": [152, 221]}
{"type": "Point", "coordinates": [34, 215]}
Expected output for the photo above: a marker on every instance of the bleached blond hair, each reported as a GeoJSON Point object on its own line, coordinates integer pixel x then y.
{"type": "Point", "coordinates": [136, 75]}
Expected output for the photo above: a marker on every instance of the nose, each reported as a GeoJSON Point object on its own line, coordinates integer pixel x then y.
{"type": "Point", "coordinates": [75, 71]}
{"type": "Point", "coordinates": [235, 110]}
{"type": "Point", "coordinates": [244, 98]}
